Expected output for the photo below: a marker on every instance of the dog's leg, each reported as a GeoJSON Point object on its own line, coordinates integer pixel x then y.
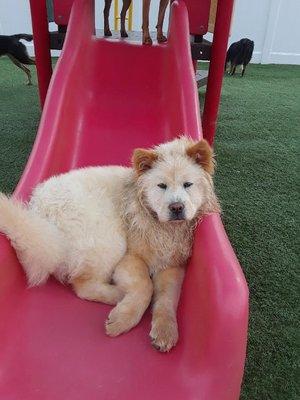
{"type": "Point", "coordinates": [167, 286]}
{"type": "Point", "coordinates": [28, 73]}
{"type": "Point", "coordinates": [31, 61]}
{"type": "Point", "coordinates": [233, 68]}
{"type": "Point", "coordinates": [132, 276]}
{"type": "Point", "coordinates": [21, 66]}
{"type": "Point", "coordinates": [94, 288]}
{"type": "Point", "coordinates": [146, 34]}
{"type": "Point", "coordinates": [126, 5]}
{"type": "Point", "coordinates": [107, 31]}
{"type": "Point", "coordinates": [161, 16]}
{"type": "Point", "coordinates": [243, 69]}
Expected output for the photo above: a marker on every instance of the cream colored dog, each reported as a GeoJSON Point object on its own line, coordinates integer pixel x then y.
{"type": "Point", "coordinates": [119, 235]}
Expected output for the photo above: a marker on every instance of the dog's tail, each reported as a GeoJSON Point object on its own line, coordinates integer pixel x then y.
{"type": "Point", "coordinates": [38, 243]}
{"type": "Point", "coordinates": [23, 36]}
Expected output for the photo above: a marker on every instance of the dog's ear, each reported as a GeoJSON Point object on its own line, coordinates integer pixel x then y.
{"type": "Point", "coordinates": [143, 160]}
{"type": "Point", "coordinates": [202, 154]}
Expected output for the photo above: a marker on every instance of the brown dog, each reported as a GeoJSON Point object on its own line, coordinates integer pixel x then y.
{"type": "Point", "coordinates": [161, 15]}
{"type": "Point", "coordinates": [107, 31]}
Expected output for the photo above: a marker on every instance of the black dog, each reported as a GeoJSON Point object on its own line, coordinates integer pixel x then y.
{"type": "Point", "coordinates": [17, 52]}
{"type": "Point", "coordinates": [239, 53]}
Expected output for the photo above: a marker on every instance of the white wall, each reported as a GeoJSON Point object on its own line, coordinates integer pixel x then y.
{"type": "Point", "coordinates": [14, 17]}
{"type": "Point", "coordinates": [272, 24]}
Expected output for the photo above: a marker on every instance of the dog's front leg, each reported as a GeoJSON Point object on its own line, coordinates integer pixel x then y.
{"type": "Point", "coordinates": [126, 5]}
{"type": "Point", "coordinates": [132, 277]}
{"type": "Point", "coordinates": [146, 34]}
{"type": "Point", "coordinates": [167, 286]}
{"type": "Point", "coordinates": [107, 5]}
{"type": "Point", "coordinates": [161, 16]}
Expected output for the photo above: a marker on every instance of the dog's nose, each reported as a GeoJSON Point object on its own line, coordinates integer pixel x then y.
{"type": "Point", "coordinates": [176, 208]}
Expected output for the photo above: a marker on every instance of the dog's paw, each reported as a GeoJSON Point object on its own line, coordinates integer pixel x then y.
{"type": "Point", "coordinates": [161, 38]}
{"type": "Point", "coordinates": [164, 334]}
{"type": "Point", "coordinates": [119, 321]}
{"type": "Point", "coordinates": [107, 32]}
{"type": "Point", "coordinates": [147, 40]}
{"type": "Point", "coordinates": [123, 34]}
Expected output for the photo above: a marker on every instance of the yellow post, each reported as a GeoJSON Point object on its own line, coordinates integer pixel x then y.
{"type": "Point", "coordinates": [117, 16]}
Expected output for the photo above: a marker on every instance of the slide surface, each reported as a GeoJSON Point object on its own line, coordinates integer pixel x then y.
{"type": "Point", "coordinates": [106, 98]}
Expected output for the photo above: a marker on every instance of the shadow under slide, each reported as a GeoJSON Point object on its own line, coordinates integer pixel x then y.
{"type": "Point", "coordinates": [106, 98]}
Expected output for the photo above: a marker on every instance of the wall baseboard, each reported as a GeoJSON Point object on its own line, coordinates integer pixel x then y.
{"type": "Point", "coordinates": [30, 49]}
{"type": "Point", "coordinates": [284, 58]}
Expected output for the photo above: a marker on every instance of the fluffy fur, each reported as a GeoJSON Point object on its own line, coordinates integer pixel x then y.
{"type": "Point", "coordinates": [119, 235]}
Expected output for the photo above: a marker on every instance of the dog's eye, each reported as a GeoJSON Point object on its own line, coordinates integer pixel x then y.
{"type": "Point", "coordinates": [162, 186]}
{"type": "Point", "coordinates": [187, 184]}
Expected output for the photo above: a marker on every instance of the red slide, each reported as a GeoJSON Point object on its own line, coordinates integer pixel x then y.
{"type": "Point", "coordinates": [107, 97]}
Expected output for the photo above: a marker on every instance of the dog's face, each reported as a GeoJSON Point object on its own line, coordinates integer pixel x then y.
{"type": "Point", "coordinates": [175, 179]}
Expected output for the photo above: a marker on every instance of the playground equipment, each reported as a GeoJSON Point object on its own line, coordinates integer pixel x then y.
{"type": "Point", "coordinates": [52, 344]}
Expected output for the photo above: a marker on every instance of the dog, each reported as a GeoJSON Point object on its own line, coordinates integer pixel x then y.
{"type": "Point", "coordinates": [239, 53]}
{"type": "Point", "coordinates": [107, 5]}
{"type": "Point", "coordinates": [17, 52]}
{"type": "Point", "coordinates": [119, 235]}
{"type": "Point", "coordinates": [161, 15]}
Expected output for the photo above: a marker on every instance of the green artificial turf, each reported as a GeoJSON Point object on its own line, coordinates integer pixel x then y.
{"type": "Point", "coordinates": [257, 151]}
{"type": "Point", "coordinates": [257, 147]}
{"type": "Point", "coordinates": [19, 118]}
